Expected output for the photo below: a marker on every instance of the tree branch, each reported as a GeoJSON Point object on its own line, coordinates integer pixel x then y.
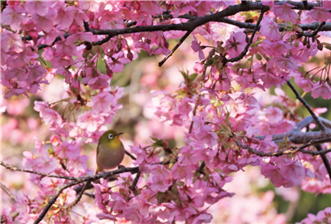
{"type": "Point", "coordinates": [175, 48]}
{"type": "Point", "coordinates": [315, 31]}
{"type": "Point", "coordinates": [324, 159]}
{"type": "Point", "coordinates": [284, 152]}
{"type": "Point", "coordinates": [318, 123]}
{"type": "Point", "coordinates": [130, 155]}
{"type": "Point", "coordinates": [7, 191]}
{"type": "Point", "coordinates": [135, 182]}
{"type": "Point", "coordinates": [36, 172]}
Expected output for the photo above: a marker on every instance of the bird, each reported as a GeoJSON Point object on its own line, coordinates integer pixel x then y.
{"type": "Point", "coordinates": [110, 151]}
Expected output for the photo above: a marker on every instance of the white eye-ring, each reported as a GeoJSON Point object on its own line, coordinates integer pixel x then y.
{"type": "Point", "coordinates": [110, 136]}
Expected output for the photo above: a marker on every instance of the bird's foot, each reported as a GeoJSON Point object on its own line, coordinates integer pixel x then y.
{"type": "Point", "coordinates": [120, 167]}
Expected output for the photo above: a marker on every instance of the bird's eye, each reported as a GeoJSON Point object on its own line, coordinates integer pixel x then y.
{"type": "Point", "coordinates": [110, 136]}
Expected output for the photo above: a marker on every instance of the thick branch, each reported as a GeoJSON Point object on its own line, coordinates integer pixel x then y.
{"type": "Point", "coordinates": [82, 180]}
{"type": "Point", "coordinates": [284, 152]}
{"type": "Point", "coordinates": [315, 31]}
{"type": "Point", "coordinates": [298, 127]}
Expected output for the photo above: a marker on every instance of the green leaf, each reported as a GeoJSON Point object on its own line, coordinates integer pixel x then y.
{"type": "Point", "coordinates": [256, 43]}
{"type": "Point", "coordinates": [184, 74]}
{"type": "Point", "coordinates": [157, 142]}
{"type": "Point", "coordinates": [192, 77]}
{"type": "Point", "coordinates": [101, 66]}
{"type": "Point", "coordinates": [327, 45]}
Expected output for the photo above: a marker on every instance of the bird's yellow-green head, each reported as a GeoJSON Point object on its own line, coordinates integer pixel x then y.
{"type": "Point", "coordinates": [110, 138]}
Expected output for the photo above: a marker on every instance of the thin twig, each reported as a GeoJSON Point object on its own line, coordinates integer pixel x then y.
{"type": "Point", "coordinates": [317, 121]}
{"type": "Point", "coordinates": [36, 172]}
{"type": "Point", "coordinates": [324, 159]}
{"type": "Point", "coordinates": [79, 196]}
{"type": "Point", "coordinates": [176, 47]}
{"type": "Point", "coordinates": [7, 191]}
{"type": "Point", "coordinates": [89, 194]}
{"type": "Point", "coordinates": [130, 155]}
{"type": "Point", "coordinates": [194, 111]}
{"type": "Point", "coordinates": [202, 165]}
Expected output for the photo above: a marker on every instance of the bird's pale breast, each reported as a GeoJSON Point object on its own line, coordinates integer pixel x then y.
{"type": "Point", "coordinates": [109, 157]}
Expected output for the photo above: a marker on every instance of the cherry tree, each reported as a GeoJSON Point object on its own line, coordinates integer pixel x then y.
{"type": "Point", "coordinates": [227, 119]}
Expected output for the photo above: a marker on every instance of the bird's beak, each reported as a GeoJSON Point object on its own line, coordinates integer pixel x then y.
{"type": "Point", "coordinates": [119, 133]}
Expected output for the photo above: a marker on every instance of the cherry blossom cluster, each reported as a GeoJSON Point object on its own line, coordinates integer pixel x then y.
{"type": "Point", "coordinates": [242, 50]}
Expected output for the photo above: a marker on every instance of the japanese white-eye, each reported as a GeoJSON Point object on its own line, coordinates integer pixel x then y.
{"type": "Point", "coordinates": [110, 151]}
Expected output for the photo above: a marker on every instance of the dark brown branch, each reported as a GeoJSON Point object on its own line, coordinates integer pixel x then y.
{"type": "Point", "coordinates": [175, 48]}
{"type": "Point", "coordinates": [318, 123]}
{"type": "Point", "coordinates": [100, 42]}
{"type": "Point", "coordinates": [319, 28]}
{"type": "Point", "coordinates": [191, 25]}
{"type": "Point", "coordinates": [305, 4]}
{"type": "Point", "coordinates": [36, 172]}
{"type": "Point", "coordinates": [202, 165]}
{"type": "Point", "coordinates": [79, 188]}
{"type": "Point", "coordinates": [196, 21]}
{"type": "Point", "coordinates": [79, 181]}
{"type": "Point", "coordinates": [135, 182]}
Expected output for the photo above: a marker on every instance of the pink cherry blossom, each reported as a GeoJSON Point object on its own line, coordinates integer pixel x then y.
{"type": "Point", "coordinates": [91, 5]}
{"type": "Point", "coordinates": [200, 129]}
{"type": "Point", "coordinates": [323, 90]}
{"type": "Point", "coordinates": [13, 16]}
{"type": "Point", "coordinates": [285, 11]}
{"type": "Point", "coordinates": [89, 121]}
{"type": "Point", "coordinates": [67, 150]}
{"type": "Point", "coordinates": [236, 43]}
{"type": "Point", "coordinates": [39, 7]}
{"type": "Point", "coordinates": [48, 115]}
{"type": "Point", "coordinates": [65, 16]}
{"type": "Point", "coordinates": [196, 48]}
{"type": "Point", "coordinates": [45, 22]}
{"type": "Point", "coordinates": [117, 61]}
{"type": "Point", "coordinates": [306, 84]}
{"type": "Point", "coordinates": [160, 179]}
{"type": "Point", "coordinates": [269, 28]}
{"type": "Point", "coordinates": [319, 13]}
